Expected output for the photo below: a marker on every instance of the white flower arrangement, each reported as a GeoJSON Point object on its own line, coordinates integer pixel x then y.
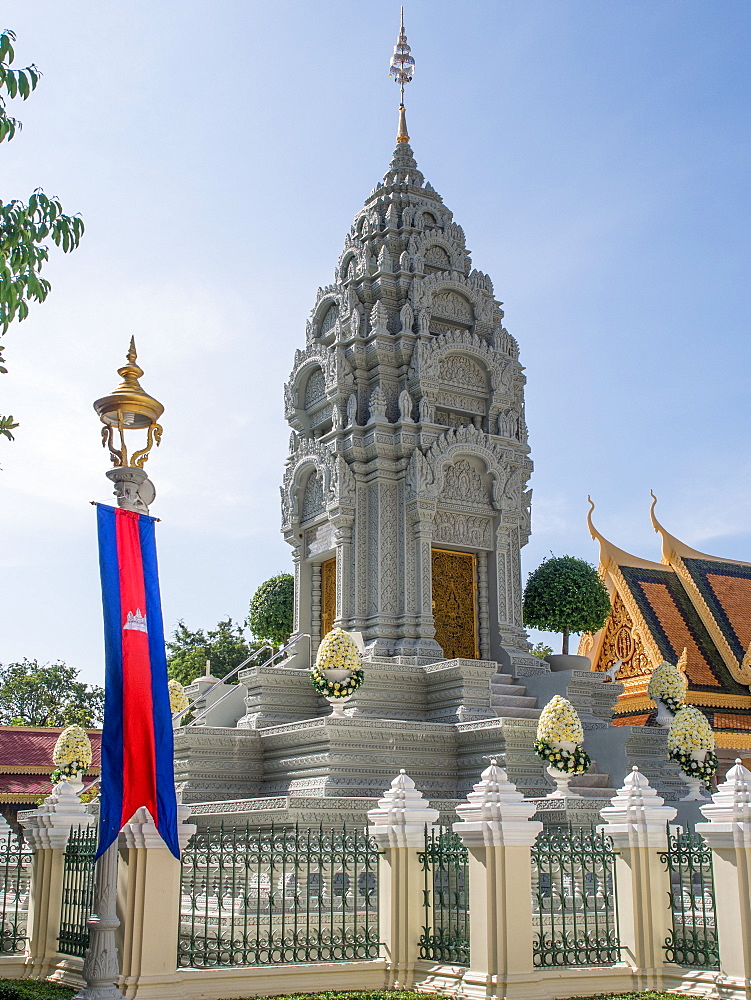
{"type": "Point", "coordinates": [72, 753]}
{"type": "Point", "coordinates": [668, 685]}
{"type": "Point", "coordinates": [178, 699]}
{"type": "Point", "coordinates": [559, 723]}
{"type": "Point", "coordinates": [337, 652]}
{"type": "Point", "coordinates": [690, 731]}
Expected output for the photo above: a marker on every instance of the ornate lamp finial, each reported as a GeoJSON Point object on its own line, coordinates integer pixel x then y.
{"type": "Point", "coordinates": [130, 408]}
{"type": "Point", "coordinates": [402, 68]}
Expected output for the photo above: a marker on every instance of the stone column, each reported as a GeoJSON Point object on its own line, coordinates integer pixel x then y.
{"type": "Point", "coordinates": [47, 830]}
{"type": "Point", "coordinates": [398, 825]}
{"type": "Point", "coordinates": [344, 572]}
{"type": "Point", "coordinates": [148, 898]}
{"type": "Point", "coordinates": [495, 824]}
{"type": "Point", "coordinates": [728, 833]}
{"type": "Point", "coordinates": [637, 823]}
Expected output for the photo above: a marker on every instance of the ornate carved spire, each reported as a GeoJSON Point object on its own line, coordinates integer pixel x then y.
{"type": "Point", "coordinates": [402, 68]}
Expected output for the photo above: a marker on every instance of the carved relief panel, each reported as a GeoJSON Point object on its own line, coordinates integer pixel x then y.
{"type": "Point", "coordinates": [621, 642]}
{"type": "Point", "coordinates": [328, 596]}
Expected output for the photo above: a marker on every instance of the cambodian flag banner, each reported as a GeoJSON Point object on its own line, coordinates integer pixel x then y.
{"type": "Point", "coordinates": [137, 747]}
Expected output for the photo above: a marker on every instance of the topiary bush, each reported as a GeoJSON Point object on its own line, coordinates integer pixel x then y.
{"type": "Point", "coordinates": [272, 610]}
{"type": "Point", "coordinates": [565, 594]}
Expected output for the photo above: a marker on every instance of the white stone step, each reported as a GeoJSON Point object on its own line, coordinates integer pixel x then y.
{"type": "Point", "coordinates": [513, 701]}
{"type": "Point", "coordinates": [506, 712]}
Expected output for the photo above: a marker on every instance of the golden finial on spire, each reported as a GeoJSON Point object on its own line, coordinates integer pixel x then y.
{"type": "Point", "coordinates": [402, 68]}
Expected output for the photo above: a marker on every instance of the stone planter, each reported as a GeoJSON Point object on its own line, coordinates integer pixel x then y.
{"type": "Point", "coordinates": [334, 674]}
{"type": "Point", "coordinates": [664, 716]}
{"type": "Point", "coordinates": [696, 788]}
{"type": "Point", "coordinates": [568, 661]}
{"type": "Point", "coordinates": [562, 778]}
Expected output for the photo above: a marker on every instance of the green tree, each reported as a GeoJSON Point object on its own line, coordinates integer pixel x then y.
{"type": "Point", "coordinates": [48, 694]}
{"type": "Point", "coordinates": [225, 646]}
{"type": "Point", "coordinates": [272, 610]}
{"type": "Point", "coordinates": [25, 225]}
{"type": "Point", "coordinates": [541, 650]}
{"type": "Point", "coordinates": [565, 594]}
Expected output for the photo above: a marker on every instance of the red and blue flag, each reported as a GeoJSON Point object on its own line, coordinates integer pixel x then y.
{"type": "Point", "coordinates": [137, 746]}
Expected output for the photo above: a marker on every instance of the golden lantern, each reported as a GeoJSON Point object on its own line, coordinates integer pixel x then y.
{"type": "Point", "coordinates": [129, 408]}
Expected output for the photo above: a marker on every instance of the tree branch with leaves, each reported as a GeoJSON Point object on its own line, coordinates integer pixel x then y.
{"type": "Point", "coordinates": [25, 226]}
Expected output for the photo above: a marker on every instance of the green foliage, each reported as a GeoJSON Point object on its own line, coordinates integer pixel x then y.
{"type": "Point", "coordinates": [272, 609]}
{"type": "Point", "coordinates": [24, 226]}
{"type": "Point", "coordinates": [34, 989]}
{"type": "Point", "coordinates": [565, 594]}
{"type": "Point", "coordinates": [49, 694]}
{"type": "Point", "coordinates": [415, 995]}
{"type": "Point", "coordinates": [540, 650]}
{"type": "Point", "coordinates": [225, 645]}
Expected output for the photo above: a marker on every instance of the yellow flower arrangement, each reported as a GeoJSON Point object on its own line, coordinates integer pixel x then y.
{"type": "Point", "coordinates": [72, 753]}
{"type": "Point", "coordinates": [178, 699]}
{"type": "Point", "coordinates": [337, 652]}
{"type": "Point", "coordinates": [689, 732]}
{"type": "Point", "coordinates": [667, 684]}
{"type": "Point", "coordinates": [559, 721]}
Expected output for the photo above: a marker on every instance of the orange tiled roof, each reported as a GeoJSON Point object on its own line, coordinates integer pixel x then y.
{"type": "Point", "coordinates": [26, 761]}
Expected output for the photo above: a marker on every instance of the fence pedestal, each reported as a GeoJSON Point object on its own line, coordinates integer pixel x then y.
{"type": "Point", "coordinates": [148, 904]}
{"type": "Point", "coordinates": [398, 827]}
{"type": "Point", "coordinates": [496, 827]}
{"type": "Point", "coordinates": [728, 834]}
{"type": "Point", "coordinates": [47, 830]}
{"type": "Point", "coordinates": [637, 824]}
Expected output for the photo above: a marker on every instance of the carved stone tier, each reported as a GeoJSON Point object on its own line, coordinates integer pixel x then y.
{"type": "Point", "coordinates": [443, 730]}
{"type": "Point", "coordinates": [408, 439]}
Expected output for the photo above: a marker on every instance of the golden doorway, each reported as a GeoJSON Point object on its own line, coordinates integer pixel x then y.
{"type": "Point", "coordinates": [328, 596]}
{"type": "Point", "coordinates": [455, 603]}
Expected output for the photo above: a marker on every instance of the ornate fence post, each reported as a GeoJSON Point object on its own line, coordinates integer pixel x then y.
{"type": "Point", "coordinates": [496, 826]}
{"type": "Point", "coordinates": [637, 824]}
{"type": "Point", "coordinates": [148, 897]}
{"type": "Point", "coordinates": [398, 826]}
{"type": "Point", "coordinates": [46, 830]}
{"type": "Point", "coordinates": [728, 833]}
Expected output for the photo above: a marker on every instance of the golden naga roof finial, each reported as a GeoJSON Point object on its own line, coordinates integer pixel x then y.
{"type": "Point", "coordinates": [402, 68]}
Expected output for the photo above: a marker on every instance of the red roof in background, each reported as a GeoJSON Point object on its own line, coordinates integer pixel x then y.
{"type": "Point", "coordinates": [32, 746]}
{"type": "Point", "coordinates": [26, 761]}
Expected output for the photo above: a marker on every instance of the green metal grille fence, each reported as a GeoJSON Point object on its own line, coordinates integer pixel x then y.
{"type": "Point", "coordinates": [575, 919]}
{"type": "Point", "coordinates": [15, 878]}
{"type": "Point", "coordinates": [445, 937]}
{"type": "Point", "coordinates": [693, 940]}
{"type": "Point", "coordinates": [271, 897]}
{"type": "Point", "coordinates": [78, 891]}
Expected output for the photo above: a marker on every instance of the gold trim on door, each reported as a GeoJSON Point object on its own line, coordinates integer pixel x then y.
{"type": "Point", "coordinates": [455, 603]}
{"type": "Point", "coordinates": [328, 596]}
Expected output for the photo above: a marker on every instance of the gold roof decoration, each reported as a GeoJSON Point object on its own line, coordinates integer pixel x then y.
{"type": "Point", "coordinates": [129, 408]}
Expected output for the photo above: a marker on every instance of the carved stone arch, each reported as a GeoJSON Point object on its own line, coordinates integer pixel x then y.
{"type": "Point", "coordinates": [324, 320]}
{"type": "Point", "coordinates": [436, 240]}
{"type": "Point", "coordinates": [300, 476]}
{"type": "Point", "coordinates": [468, 441]}
{"type": "Point", "coordinates": [427, 218]}
{"type": "Point", "coordinates": [312, 386]}
{"type": "Point", "coordinates": [433, 354]}
{"type": "Point", "coordinates": [349, 263]}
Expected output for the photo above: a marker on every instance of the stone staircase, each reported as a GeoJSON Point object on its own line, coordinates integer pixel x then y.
{"type": "Point", "coordinates": [594, 784]}
{"type": "Point", "coordinates": [509, 698]}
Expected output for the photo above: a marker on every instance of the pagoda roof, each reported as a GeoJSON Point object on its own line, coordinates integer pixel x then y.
{"type": "Point", "coordinates": [691, 609]}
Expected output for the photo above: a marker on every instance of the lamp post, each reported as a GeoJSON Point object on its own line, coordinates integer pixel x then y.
{"type": "Point", "coordinates": [128, 408]}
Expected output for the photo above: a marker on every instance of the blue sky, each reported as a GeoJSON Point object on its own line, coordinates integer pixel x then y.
{"type": "Point", "coordinates": [596, 153]}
